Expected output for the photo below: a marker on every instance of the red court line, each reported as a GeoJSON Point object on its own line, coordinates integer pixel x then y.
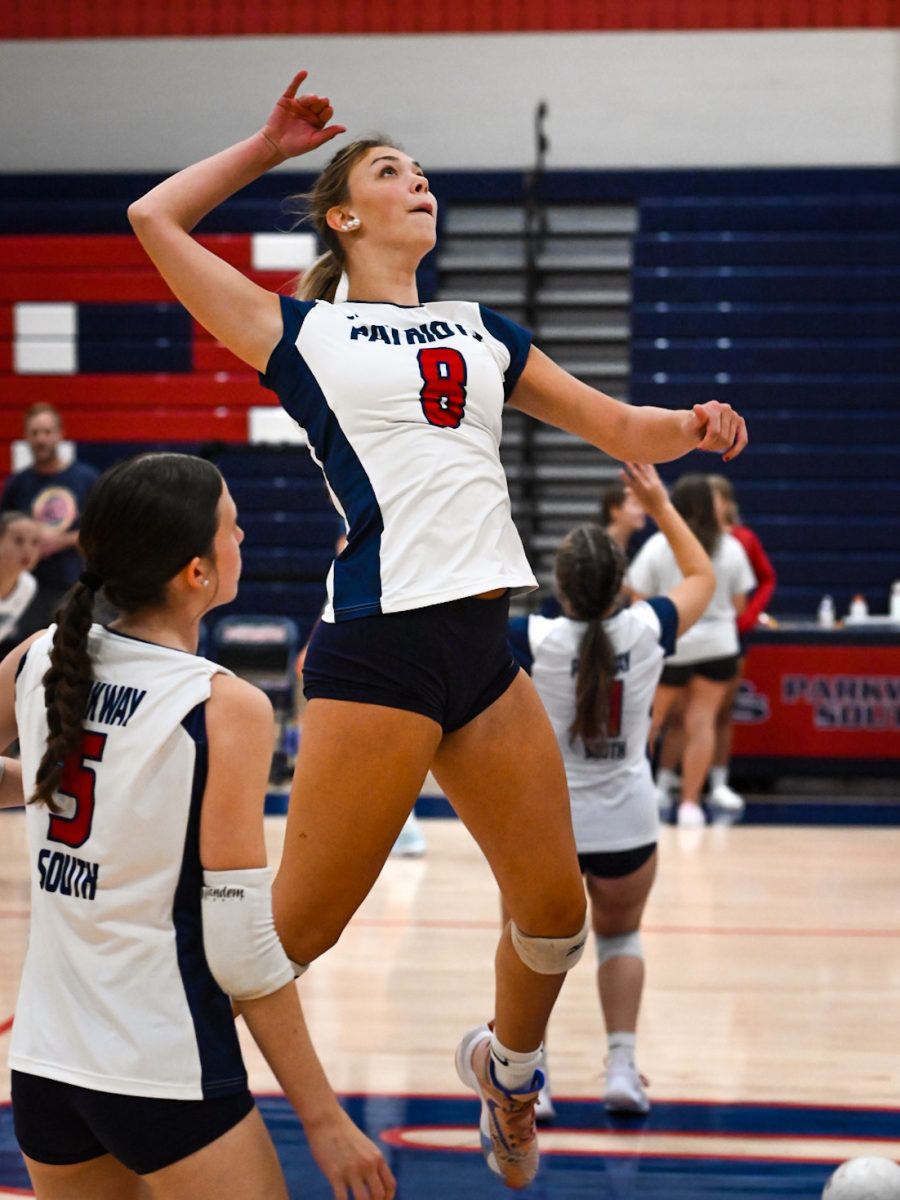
{"type": "Point", "coordinates": [6, 1025]}
{"type": "Point", "coordinates": [713, 930]}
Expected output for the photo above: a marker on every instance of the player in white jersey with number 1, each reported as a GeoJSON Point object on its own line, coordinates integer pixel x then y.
{"type": "Point", "coordinates": [146, 768]}
{"type": "Point", "coordinates": [596, 669]}
{"type": "Point", "coordinates": [409, 669]}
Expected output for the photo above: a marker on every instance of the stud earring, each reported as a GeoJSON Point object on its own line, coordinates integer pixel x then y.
{"type": "Point", "coordinates": [353, 223]}
{"type": "Point", "coordinates": [206, 583]}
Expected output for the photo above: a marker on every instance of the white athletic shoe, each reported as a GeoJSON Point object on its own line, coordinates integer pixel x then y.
{"type": "Point", "coordinates": [690, 815]}
{"type": "Point", "coordinates": [410, 841]}
{"type": "Point", "coordinates": [624, 1086]}
{"type": "Point", "coordinates": [545, 1110]}
{"type": "Point", "coordinates": [726, 799]}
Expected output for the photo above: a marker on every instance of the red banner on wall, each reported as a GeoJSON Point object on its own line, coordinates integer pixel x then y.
{"type": "Point", "coordinates": [230, 18]}
{"type": "Point", "coordinates": [820, 701]}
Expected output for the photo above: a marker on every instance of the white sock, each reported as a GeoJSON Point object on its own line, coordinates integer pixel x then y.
{"type": "Point", "coordinates": [666, 780]}
{"type": "Point", "coordinates": [622, 1045]}
{"type": "Point", "coordinates": [718, 777]}
{"type": "Point", "coordinates": [513, 1069]}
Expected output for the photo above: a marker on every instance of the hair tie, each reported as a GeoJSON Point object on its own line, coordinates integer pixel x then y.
{"type": "Point", "coordinates": [91, 581]}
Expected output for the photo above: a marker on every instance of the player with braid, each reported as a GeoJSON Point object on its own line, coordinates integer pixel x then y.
{"type": "Point", "coordinates": [596, 668]}
{"type": "Point", "coordinates": [145, 769]}
{"type": "Point", "coordinates": [409, 668]}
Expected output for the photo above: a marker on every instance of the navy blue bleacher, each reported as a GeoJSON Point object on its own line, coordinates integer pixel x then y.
{"type": "Point", "coordinates": [777, 290]}
{"type": "Point", "coordinates": [289, 524]}
{"type": "Point", "coordinates": [782, 297]}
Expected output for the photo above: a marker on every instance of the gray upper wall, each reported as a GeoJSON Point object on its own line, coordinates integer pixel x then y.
{"type": "Point", "coordinates": [461, 101]}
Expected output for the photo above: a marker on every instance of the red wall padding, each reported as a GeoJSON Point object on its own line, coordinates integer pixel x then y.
{"type": "Point", "coordinates": [210, 18]}
{"type": "Point", "coordinates": [109, 268]}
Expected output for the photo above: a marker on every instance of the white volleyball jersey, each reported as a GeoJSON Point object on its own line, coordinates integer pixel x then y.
{"type": "Point", "coordinates": [116, 994]}
{"type": "Point", "coordinates": [612, 796]}
{"type": "Point", "coordinates": [403, 407]}
{"type": "Point", "coordinates": [715, 635]}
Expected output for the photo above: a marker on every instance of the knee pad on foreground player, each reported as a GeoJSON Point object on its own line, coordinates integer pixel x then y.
{"type": "Point", "coordinates": [623, 945]}
{"type": "Point", "coordinates": [546, 955]}
{"type": "Point", "coordinates": [243, 950]}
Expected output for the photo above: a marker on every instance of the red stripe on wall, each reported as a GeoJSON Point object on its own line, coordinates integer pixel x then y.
{"type": "Point", "coordinates": [105, 250]}
{"type": "Point", "coordinates": [231, 392]}
{"type": "Point", "coordinates": [159, 425]}
{"type": "Point", "coordinates": [210, 356]}
{"type": "Point", "coordinates": [110, 285]}
{"type": "Point", "coordinates": [211, 18]}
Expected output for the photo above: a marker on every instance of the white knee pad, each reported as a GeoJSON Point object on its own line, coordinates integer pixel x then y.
{"type": "Point", "coordinates": [243, 950]}
{"type": "Point", "coordinates": [549, 956]}
{"type": "Point", "coordinates": [624, 945]}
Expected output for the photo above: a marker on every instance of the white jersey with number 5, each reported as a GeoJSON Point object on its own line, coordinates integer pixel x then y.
{"type": "Point", "coordinates": [612, 795]}
{"type": "Point", "coordinates": [116, 994]}
{"type": "Point", "coordinates": [403, 408]}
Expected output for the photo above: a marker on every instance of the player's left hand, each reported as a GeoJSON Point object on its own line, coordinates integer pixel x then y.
{"type": "Point", "coordinates": [298, 124]}
{"type": "Point", "coordinates": [352, 1164]}
{"type": "Point", "coordinates": [720, 428]}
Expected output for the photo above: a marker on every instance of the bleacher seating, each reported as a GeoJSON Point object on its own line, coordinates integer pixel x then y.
{"type": "Point", "coordinates": [777, 290]}
{"type": "Point", "coordinates": [787, 304]}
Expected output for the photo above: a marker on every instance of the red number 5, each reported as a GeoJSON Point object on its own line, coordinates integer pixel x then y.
{"type": "Point", "coordinates": [78, 781]}
{"type": "Point", "coordinates": [443, 393]}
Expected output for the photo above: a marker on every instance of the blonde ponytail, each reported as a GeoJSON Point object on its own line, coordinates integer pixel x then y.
{"type": "Point", "coordinates": [320, 281]}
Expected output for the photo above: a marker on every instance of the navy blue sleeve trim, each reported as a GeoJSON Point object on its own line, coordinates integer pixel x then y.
{"type": "Point", "coordinates": [517, 341]}
{"type": "Point", "coordinates": [20, 666]}
{"type": "Point", "coordinates": [519, 643]}
{"type": "Point", "coordinates": [667, 614]}
{"type": "Point", "coordinates": [293, 314]}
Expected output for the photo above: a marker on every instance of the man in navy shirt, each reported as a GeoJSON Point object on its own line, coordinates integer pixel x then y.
{"type": "Point", "coordinates": [54, 494]}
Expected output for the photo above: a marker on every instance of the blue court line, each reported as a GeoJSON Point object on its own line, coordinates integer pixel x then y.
{"type": "Point", "coordinates": [446, 1174]}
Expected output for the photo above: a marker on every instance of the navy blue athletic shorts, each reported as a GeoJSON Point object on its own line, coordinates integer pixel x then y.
{"type": "Point", "coordinates": [716, 670]}
{"type": "Point", "coordinates": [61, 1124]}
{"type": "Point", "coordinates": [448, 661]}
{"type": "Point", "coordinates": [615, 864]}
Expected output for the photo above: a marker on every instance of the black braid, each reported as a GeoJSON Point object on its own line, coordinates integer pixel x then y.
{"type": "Point", "coordinates": [67, 684]}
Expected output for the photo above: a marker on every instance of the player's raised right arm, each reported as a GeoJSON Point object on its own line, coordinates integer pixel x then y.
{"type": "Point", "coordinates": [242, 315]}
{"type": "Point", "coordinates": [692, 596]}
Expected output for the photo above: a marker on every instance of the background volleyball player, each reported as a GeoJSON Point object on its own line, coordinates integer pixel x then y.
{"type": "Point", "coordinates": [410, 668]}
{"type": "Point", "coordinates": [147, 767]}
{"type": "Point", "coordinates": [596, 669]}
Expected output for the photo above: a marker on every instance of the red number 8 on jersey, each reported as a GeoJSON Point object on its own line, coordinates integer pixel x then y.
{"type": "Point", "coordinates": [443, 393]}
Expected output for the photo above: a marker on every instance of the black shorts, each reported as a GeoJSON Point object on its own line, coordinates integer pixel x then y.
{"type": "Point", "coordinates": [448, 662]}
{"type": "Point", "coordinates": [61, 1124]}
{"type": "Point", "coordinates": [617, 863]}
{"type": "Point", "coordinates": [716, 670]}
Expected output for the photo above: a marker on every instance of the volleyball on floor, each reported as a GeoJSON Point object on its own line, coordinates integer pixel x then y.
{"type": "Point", "coordinates": [864, 1179]}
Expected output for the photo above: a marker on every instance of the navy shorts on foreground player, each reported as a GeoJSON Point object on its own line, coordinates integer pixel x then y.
{"type": "Point", "coordinates": [448, 662]}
